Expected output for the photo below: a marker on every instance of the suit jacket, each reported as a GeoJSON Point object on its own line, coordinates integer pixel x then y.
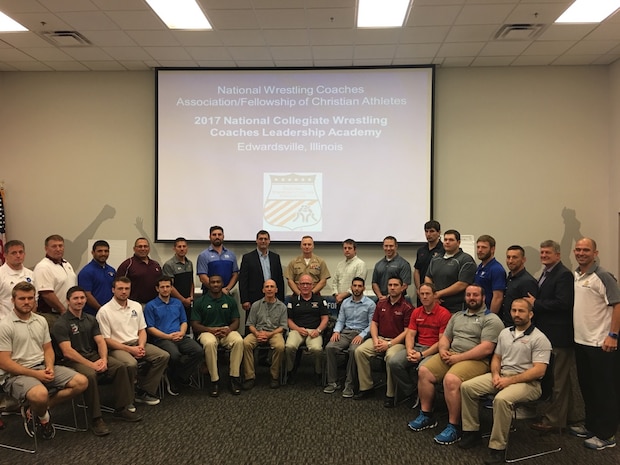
{"type": "Point", "coordinates": [553, 308]}
{"type": "Point", "coordinates": [251, 276]}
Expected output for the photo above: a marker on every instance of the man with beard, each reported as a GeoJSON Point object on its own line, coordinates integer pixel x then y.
{"type": "Point", "coordinates": [96, 278]}
{"type": "Point", "coordinates": [490, 273]}
{"type": "Point", "coordinates": [217, 260]}
{"type": "Point", "coordinates": [519, 282]}
{"type": "Point", "coordinates": [464, 351]}
{"type": "Point", "coordinates": [519, 362]}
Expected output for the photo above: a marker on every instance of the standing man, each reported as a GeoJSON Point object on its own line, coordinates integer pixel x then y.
{"type": "Point", "coordinates": [217, 260]}
{"type": "Point", "coordinates": [597, 324]}
{"type": "Point", "coordinates": [123, 328]}
{"type": "Point", "coordinates": [27, 367]}
{"type": "Point", "coordinates": [307, 263]}
{"type": "Point", "coordinates": [215, 320]}
{"type": "Point", "coordinates": [519, 282]}
{"type": "Point", "coordinates": [266, 325]}
{"type": "Point", "coordinates": [519, 362]}
{"type": "Point", "coordinates": [307, 319]}
{"type": "Point", "coordinates": [96, 278]}
{"type": "Point", "coordinates": [84, 350]}
{"type": "Point", "coordinates": [12, 272]}
{"type": "Point", "coordinates": [352, 327]}
{"type": "Point", "coordinates": [387, 338]}
{"type": "Point", "coordinates": [257, 267]}
{"type": "Point", "coordinates": [53, 277]}
{"type": "Point", "coordinates": [166, 324]}
{"type": "Point", "coordinates": [426, 326]}
{"type": "Point", "coordinates": [464, 351]}
{"type": "Point", "coordinates": [181, 270]}
{"type": "Point", "coordinates": [390, 266]}
{"type": "Point", "coordinates": [424, 255]}
{"type": "Point", "coordinates": [451, 272]}
{"type": "Point", "coordinates": [490, 273]}
{"type": "Point", "coordinates": [142, 271]}
{"type": "Point", "coordinates": [553, 315]}
{"type": "Point", "coordinates": [351, 267]}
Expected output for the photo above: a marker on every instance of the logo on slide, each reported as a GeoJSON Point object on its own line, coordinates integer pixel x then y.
{"type": "Point", "coordinates": [292, 201]}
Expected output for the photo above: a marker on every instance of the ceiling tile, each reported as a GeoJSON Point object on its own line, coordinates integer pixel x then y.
{"type": "Point", "coordinates": [566, 31]}
{"type": "Point", "coordinates": [136, 20]}
{"type": "Point", "coordinates": [592, 47]}
{"type": "Point", "coordinates": [573, 60]}
{"type": "Point", "coordinates": [248, 38]}
{"type": "Point", "coordinates": [47, 54]}
{"type": "Point", "coordinates": [363, 52]}
{"type": "Point", "coordinates": [483, 14]}
{"type": "Point", "coordinates": [464, 49]}
{"type": "Point", "coordinates": [281, 19]}
{"type": "Point", "coordinates": [332, 37]}
{"type": "Point", "coordinates": [457, 62]}
{"type": "Point", "coordinates": [168, 53]}
{"type": "Point", "coordinates": [533, 60]}
{"type": "Point", "coordinates": [423, 34]}
{"type": "Point", "coordinates": [233, 19]}
{"type": "Point", "coordinates": [250, 53]}
{"type": "Point", "coordinates": [507, 48]}
{"type": "Point", "coordinates": [338, 52]}
{"type": "Point", "coordinates": [127, 53]}
{"type": "Point", "coordinates": [208, 53]}
{"type": "Point", "coordinates": [471, 33]}
{"type": "Point", "coordinates": [153, 38]}
{"type": "Point", "coordinates": [291, 53]}
{"type": "Point", "coordinates": [376, 36]}
{"type": "Point", "coordinates": [87, 53]}
{"type": "Point", "coordinates": [67, 66]}
{"type": "Point", "coordinates": [492, 61]}
{"type": "Point", "coordinates": [30, 66]}
{"type": "Point", "coordinates": [433, 15]}
{"type": "Point", "coordinates": [109, 38]}
{"type": "Point", "coordinates": [104, 66]}
{"type": "Point", "coordinates": [417, 50]}
{"type": "Point", "coordinates": [95, 20]}
{"type": "Point", "coordinates": [196, 38]}
{"type": "Point", "coordinates": [548, 48]}
{"type": "Point", "coordinates": [321, 18]}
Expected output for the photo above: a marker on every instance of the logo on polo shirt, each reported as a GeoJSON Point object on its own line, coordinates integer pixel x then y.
{"type": "Point", "coordinates": [224, 305]}
{"type": "Point", "coordinates": [134, 314]}
{"type": "Point", "coordinates": [74, 329]}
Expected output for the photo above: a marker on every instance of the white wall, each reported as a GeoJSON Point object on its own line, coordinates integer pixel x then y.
{"type": "Point", "coordinates": [513, 147]}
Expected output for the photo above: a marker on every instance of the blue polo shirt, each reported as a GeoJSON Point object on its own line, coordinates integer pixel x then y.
{"type": "Point", "coordinates": [211, 263]}
{"type": "Point", "coordinates": [491, 277]}
{"type": "Point", "coordinates": [97, 280]}
{"type": "Point", "coordinates": [167, 317]}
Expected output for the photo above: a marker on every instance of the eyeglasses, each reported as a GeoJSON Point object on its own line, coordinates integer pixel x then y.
{"type": "Point", "coordinates": [305, 284]}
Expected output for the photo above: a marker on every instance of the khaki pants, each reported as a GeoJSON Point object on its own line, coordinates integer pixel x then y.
{"type": "Point", "coordinates": [363, 354]}
{"type": "Point", "coordinates": [232, 342]}
{"type": "Point", "coordinates": [276, 342]}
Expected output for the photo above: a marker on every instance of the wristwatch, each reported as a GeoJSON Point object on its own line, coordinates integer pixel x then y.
{"type": "Point", "coordinates": [389, 344]}
{"type": "Point", "coordinates": [613, 335]}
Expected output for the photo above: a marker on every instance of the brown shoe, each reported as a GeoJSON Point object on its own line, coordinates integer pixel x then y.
{"type": "Point", "coordinates": [127, 415]}
{"type": "Point", "coordinates": [543, 427]}
{"type": "Point", "coordinates": [99, 427]}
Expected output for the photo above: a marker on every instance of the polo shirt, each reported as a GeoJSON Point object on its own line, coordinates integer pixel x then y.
{"type": "Point", "coordinates": [97, 280]}
{"type": "Point", "coordinates": [211, 263]}
{"type": "Point", "coordinates": [392, 318]}
{"type": "Point", "coordinates": [307, 313]}
{"type": "Point", "coordinates": [519, 354]}
{"type": "Point", "coordinates": [517, 286]}
{"type": "Point", "coordinates": [215, 312]}
{"type": "Point", "coordinates": [491, 277]}
{"type": "Point", "coordinates": [181, 273]}
{"type": "Point", "coordinates": [445, 270]}
{"type": "Point", "coordinates": [24, 340]}
{"type": "Point", "coordinates": [143, 275]}
{"type": "Point", "coordinates": [386, 269]}
{"type": "Point", "coordinates": [267, 316]}
{"type": "Point", "coordinates": [58, 277]}
{"type": "Point", "coordinates": [79, 331]}
{"type": "Point", "coordinates": [596, 292]}
{"type": "Point", "coordinates": [467, 330]}
{"type": "Point", "coordinates": [424, 255]}
{"type": "Point", "coordinates": [429, 326]}
{"type": "Point", "coordinates": [165, 316]}
{"type": "Point", "coordinates": [8, 279]}
{"type": "Point", "coordinates": [121, 323]}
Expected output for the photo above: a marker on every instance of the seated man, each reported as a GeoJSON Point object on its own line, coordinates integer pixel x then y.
{"type": "Point", "coordinates": [215, 320]}
{"type": "Point", "coordinates": [123, 328]}
{"type": "Point", "coordinates": [426, 326]}
{"type": "Point", "coordinates": [266, 325]}
{"type": "Point", "coordinates": [27, 367]}
{"type": "Point", "coordinates": [519, 362]}
{"type": "Point", "coordinates": [464, 351]}
{"type": "Point", "coordinates": [166, 324]}
{"type": "Point", "coordinates": [307, 319]}
{"type": "Point", "coordinates": [84, 350]}
{"type": "Point", "coordinates": [352, 327]}
{"type": "Point", "coordinates": [387, 331]}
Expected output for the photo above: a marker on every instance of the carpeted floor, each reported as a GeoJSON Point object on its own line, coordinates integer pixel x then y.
{"type": "Point", "coordinates": [294, 424]}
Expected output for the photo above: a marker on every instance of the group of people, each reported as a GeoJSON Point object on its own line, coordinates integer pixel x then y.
{"type": "Point", "coordinates": [473, 329]}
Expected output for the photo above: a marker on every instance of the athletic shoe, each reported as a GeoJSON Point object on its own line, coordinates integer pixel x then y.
{"type": "Point", "coordinates": [389, 402]}
{"type": "Point", "coordinates": [448, 436]}
{"type": "Point", "coordinates": [330, 388]}
{"type": "Point", "coordinates": [29, 427]}
{"type": "Point", "coordinates": [347, 392]}
{"type": "Point", "coordinates": [422, 422]}
{"type": "Point", "coordinates": [131, 408]}
{"type": "Point", "coordinates": [99, 427]}
{"type": "Point", "coordinates": [274, 383]}
{"type": "Point", "coordinates": [146, 398]}
{"type": "Point", "coordinates": [580, 431]}
{"type": "Point", "coordinates": [46, 430]}
{"type": "Point", "coordinates": [600, 444]}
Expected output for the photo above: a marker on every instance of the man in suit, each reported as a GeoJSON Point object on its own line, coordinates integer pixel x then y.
{"type": "Point", "coordinates": [257, 267]}
{"type": "Point", "coordinates": [553, 310]}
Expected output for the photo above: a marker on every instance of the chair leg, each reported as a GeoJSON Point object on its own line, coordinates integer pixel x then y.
{"type": "Point", "coordinates": [528, 456]}
{"type": "Point", "coordinates": [75, 428]}
{"type": "Point", "coordinates": [23, 449]}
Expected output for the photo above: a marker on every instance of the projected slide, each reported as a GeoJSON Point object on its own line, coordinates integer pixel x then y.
{"type": "Point", "coordinates": [332, 153]}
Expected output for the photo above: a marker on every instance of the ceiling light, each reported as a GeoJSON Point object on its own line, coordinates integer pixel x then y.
{"type": "Point", "coordinates": [381, 13]}
{"type": "Point", "coordinates": [10, 25]}
{"type": "Point", "coordinates": [588, 11]}
{"type": "Point", "coordinates": [180, 14]}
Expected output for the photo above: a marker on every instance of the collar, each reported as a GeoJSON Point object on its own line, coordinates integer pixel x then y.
{"type": "Point", "coordinates": [483, 311]}
{"type": "Point", "coordinates": [591, 269]}
{"type": "Point", "coordinates": [260, 254]}
{"type": "Point", "coordinates": [527, 332]}
{"type": "Point", "coordinates": [56, 262]}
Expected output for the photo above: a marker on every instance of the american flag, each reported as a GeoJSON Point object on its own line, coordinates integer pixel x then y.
{"type": "Point", "coordinates": [2, 226]}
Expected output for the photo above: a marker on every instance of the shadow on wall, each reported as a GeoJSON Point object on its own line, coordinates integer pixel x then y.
{"type": "Point", "coordinates": [74, 250]}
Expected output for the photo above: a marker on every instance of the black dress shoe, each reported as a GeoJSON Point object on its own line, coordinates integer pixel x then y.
{"type": "Point", "coordinates": [235, 386]}
{"type": "Point", "coordinates": [495, 457]}
{"type": "Point", "coordinates": [274, 383]}
{"type": "Point", "coordinates": [389, 402]}
{"type": "Point", "coordinates": [215, 389]}
{"type": "Point", "coordinates": [248, 384]}
{"type": "Point", "coordinates": [361, 395]}
{"type": "Point", "coordinates": [470, 439]}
